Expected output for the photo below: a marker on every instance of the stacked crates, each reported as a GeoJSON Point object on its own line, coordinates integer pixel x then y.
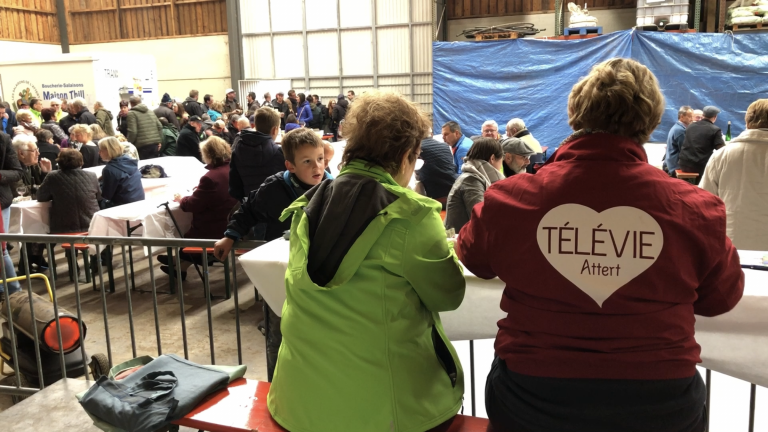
{"type": "Point", "coordinates": [662, 12]}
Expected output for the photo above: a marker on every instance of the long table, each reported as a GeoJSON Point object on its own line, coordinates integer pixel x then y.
{"type": "Point", "coordinates": [735, 343]}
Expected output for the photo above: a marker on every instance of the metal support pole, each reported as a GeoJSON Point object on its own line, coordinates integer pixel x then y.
{"type": "Point", "coordinates": [472, 375]}
{"type": "Point", "coordinates": [235, 39]}
{"type": "Point", "coordinates": [374, 37]}
{"type": "Point", "coordinates": [708, 383]}
{"type": "Point", "coordinates": [61, 15]}
{"type": "Point", "coordinates": [410, 40]}
{"type": "Point", "coordinates": [697, 16]}
{"type": "Point", "coordinates": [752, 396]}
{"type": "Point", "coordinates": [559, 18]}
{"type": "Point", "coordinates": [306, 47]}
{"type": "Point", "coordinates": [338, 35]}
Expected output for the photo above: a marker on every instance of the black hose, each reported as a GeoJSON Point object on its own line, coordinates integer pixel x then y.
{"type": "Point", "coordinates": [526, 29]}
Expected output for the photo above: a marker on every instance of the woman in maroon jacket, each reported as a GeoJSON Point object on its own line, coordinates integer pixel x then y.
{"type": "Point", "coordinates": [612, 258]}
{"type": "Point", "coordinates": [210, 203]}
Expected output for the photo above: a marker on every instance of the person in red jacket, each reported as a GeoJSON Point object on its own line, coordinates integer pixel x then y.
{"type": "Point", "coordinates": [612, 259]}
{"type": "Point", "coordinates": [210, 203]}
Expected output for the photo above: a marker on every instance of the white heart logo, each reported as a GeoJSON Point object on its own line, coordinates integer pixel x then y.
{"type": "Point", "coordinates": [599, 252]}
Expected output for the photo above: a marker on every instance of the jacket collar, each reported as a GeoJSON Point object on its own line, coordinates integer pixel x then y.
{"type": "Point", "coordinates": [483, 171]}
{"type": "Point", "coordinates": [599, 146]}
{"type": "Point", "coordinates": [376, 172]}
{"type": "Point", "coordinates": [459, 141]}
{"type": "Point", "coordinates": [752, 135]}
{"type": "Point", "coordinates": [681, 124]}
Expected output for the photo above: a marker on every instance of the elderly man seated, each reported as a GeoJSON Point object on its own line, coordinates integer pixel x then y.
{"type": "Point", "coordinates": [516, 129]}
{"type": "Point", "coordinates": [34, 171]}
{"type": "Point", "coordinates": [489, 129]}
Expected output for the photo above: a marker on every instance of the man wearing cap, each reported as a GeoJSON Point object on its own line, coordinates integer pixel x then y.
{"type": "Point", "coordinates": [188, 143]}
{"type": "Point", "coordinates": [165, 111]}
{"type": "Point", "coordinates": [517, 156]}
{"type": "Point", "coordinates": [231, 105]}
{"type": "Point", "coordinates": [702, 138]}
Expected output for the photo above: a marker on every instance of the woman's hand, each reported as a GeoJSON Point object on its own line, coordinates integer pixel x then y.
{"type": "Point", "coordinates": [45, 165]}
{"type": "Point", "coordinates": [177, 198]}
{"type": "Point", "coordinates": [222, 248]}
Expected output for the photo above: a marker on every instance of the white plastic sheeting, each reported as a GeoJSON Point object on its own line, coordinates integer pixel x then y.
{"type": "Point", "coordinates": [350, 44]}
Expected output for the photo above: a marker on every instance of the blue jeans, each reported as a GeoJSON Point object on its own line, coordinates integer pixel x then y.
{"type": "Point", "coordinates": [10, 270]}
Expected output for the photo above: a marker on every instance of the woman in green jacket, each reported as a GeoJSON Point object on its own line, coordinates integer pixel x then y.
{"type": "Point", "coordinates": [370, 268]}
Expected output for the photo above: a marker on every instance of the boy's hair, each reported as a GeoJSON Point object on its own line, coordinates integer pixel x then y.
{"type": "Point", "coordinates": [266, 119]}
{"type": "Point", "coordinates": [296, 138]}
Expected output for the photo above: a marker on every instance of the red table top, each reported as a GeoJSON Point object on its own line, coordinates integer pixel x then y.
{"type": "Point", "coordinates": [242, 407]}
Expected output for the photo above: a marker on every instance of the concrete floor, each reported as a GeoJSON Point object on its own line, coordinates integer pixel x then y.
{"type": "Point", "coordinates": [168, 317]}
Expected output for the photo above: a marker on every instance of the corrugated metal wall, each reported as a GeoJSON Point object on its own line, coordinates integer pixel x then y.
{"type": "Point", "coordinates": [327, 47]}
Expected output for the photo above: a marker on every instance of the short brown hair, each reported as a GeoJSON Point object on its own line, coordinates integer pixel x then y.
{"type": "Point", "coordinates": [69, 158]}
{"type": "Point", "coordinates": [43, 135]}
{"type": "Point", "coordinates": [193, 93]}
{"type": "Point", "coordinates": [381, 128]}
{"type": "Point", "coordinates": [757, 114]}
{"type": "Point", "coordinates": [619, 96]}
{"type": "Point", "coordinates": [266, 119]}
{"type": "Point", "coordinates": [48, 114]}
{"type": "Point", "coordinates": [216, 151]}
{"type": "Point", "coordinates": [296, 138]}
{"type": "Point", "coordinates": [484, 148]}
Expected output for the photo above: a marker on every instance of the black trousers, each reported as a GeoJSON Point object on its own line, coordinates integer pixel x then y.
{"type": "Point", "coordinates": [274, 339]}
{"type": "Point", "coordinates": [148, 151]}
{"type": "Point", "coordinates": [523, 403]}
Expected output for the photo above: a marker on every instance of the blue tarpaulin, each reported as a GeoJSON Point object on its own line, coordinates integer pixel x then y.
{"type": "Point", "coordinates": [531, 79]}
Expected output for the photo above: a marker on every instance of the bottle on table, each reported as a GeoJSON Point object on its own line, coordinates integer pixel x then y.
{"type": "Point", "coordinates": [728, 133]}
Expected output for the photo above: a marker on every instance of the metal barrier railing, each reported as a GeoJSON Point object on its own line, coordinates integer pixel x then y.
{"type": "Point", "coordinates": [123, 245]}
{"type": "Point", "coordinates": [174, 246]}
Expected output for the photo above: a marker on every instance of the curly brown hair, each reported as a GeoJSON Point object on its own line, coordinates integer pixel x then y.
{"type": "Point", "coordinates": [216, 151]}
{"type": "Point", "coordinates": [757, 114]}
{"type": "Point", "coordinates": [619, 96]}
{"type": "Point", "coordinates": [381, 128]}
{"type": "Point", "coordinates": [69, 158]}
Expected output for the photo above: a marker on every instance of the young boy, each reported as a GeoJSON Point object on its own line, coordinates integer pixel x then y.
{"type": "Point", "coordinates": [304, 160]}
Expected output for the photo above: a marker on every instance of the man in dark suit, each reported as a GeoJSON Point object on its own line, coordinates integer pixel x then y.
{"type": "Point", "coordinates": [702, 138]}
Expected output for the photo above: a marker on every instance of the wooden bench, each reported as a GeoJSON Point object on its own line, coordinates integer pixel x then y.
{"type": "Point", "coordinates": [242, 407]}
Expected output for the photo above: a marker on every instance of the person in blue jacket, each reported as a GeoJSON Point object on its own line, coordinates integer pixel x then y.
{"type": "Point", "coordinates": [460, 144]}
{"type": "Point", "coordinates": [676, 137]}
{"type": "Point", "coordinates": [303, 111]}
{"type": "Point", "coordinates": [120, 180]}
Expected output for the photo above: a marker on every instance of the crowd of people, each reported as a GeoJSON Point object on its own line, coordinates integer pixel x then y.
{"type": "Point", "coordinates": [360, 345]}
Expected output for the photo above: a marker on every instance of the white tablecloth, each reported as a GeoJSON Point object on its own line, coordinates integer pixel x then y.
{"type": "Point", "coordinates": [183, 173]}
{"type": "Point", "coordinates": [156, 223]}
{"type": "Point", "coordinates": [31, 217]}
{"type": "Point", "coordinates": [735, 343]}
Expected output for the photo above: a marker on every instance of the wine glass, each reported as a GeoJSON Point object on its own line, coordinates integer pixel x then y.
{"type": "Point", "coordinates": [21, 190]}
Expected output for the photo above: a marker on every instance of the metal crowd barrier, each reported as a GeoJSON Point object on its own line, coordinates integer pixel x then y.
{"type": "Point", "coordinates": [176, 246]}
{"type": "Point", "coordinates": [118, 246]}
